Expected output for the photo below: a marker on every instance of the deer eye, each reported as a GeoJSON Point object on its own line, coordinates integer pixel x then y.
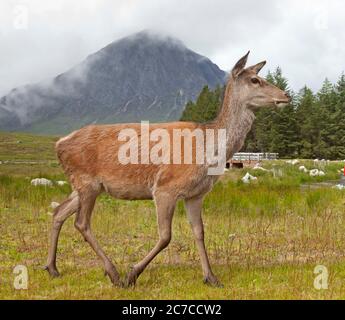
{"type": "Point", "coordinates": [255, 80]}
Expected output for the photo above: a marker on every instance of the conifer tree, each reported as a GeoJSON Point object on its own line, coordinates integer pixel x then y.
{"type": "Point", "coordinates": [312, 126]}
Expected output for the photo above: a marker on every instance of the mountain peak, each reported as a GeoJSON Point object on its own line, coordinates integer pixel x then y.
{"type": "Point", "coordinates": [145, 76]}
{"type": "Point", "coordinates": [146, 39]}
{"type": "Point", "coordinates": [152, 36]}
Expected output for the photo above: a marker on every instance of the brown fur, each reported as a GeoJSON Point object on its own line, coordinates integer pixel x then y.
{"type": "Point", "coordinates": [89, 158]}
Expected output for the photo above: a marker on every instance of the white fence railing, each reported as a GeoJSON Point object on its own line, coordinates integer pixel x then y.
{"type": "Point", "coordinates": [248, 156]}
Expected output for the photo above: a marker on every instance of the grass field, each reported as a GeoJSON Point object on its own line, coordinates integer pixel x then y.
{"type": "Point", "coordinates": [264, 239]}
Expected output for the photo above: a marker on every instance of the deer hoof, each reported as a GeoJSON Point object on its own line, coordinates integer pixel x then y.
{"type": "Point", "coordinates": [53, 272]}
{"type": "Point", "coordinates": [114, 276]}
{"type": "Point", "coordinates": [131, 278]}
{"type": "Point", "coordinates": [213, 281]}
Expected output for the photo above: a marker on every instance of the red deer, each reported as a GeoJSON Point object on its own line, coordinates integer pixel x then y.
{"type": "Point", "coordinates": [89, 157]}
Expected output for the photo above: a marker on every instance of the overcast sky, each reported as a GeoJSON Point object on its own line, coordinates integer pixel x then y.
{"type": "Point", "coordinates": [40, 38]}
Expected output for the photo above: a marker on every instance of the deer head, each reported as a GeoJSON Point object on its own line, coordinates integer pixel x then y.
{"type": "Point", "coordinates": [253, 91]}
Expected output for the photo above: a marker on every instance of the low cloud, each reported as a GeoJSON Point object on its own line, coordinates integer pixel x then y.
{"type": "Point", "coordinates": [41, 39]}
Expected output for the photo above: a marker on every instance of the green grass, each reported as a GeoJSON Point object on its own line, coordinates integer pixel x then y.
{"type": "Point", "coordinates": [264, 239]}
{"type": "Point", "coordinates": [23, 146]}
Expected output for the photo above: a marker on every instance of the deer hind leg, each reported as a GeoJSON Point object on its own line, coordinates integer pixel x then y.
{"type": "Point", "coordinates": [61, 213]}
{"type": "Point", "coordinates": [82, 224]}
{"type": "Point", "coordinates": [165, 206]}
{"type": "Point", "coordinates": [194, 208]}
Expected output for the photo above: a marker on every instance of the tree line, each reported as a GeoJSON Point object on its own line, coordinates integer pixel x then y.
{"type": "Point", "coordinates": [311, 126]}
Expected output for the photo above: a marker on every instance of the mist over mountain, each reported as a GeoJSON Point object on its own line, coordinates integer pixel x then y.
{"type": "Point", "coordinates": [140, 77]}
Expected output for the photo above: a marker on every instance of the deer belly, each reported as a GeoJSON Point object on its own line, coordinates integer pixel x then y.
{"type": "Point", "coordinates": [128, 191]}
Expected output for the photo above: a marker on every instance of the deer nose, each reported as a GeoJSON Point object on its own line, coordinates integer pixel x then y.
{"type": "Point", "coordinates": [288, 96]}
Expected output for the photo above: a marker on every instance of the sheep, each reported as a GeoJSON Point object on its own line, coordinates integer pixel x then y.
{"type": "Point", "coordinates": [303, 168]}
{"type": "Point", "coordinates": [41, 182]}
{"type": "Point", "coordinates": [61, 183]}
{"type": "Point", "coordinates": [293, 162]}
{"type": "Point", "coordinates": [248, 177]}
{"type": "Point", "coordinates": [258, 167]}
{"type": "Point", "coordinates": [316, 172]}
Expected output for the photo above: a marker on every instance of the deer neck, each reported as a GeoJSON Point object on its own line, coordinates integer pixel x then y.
{"type": "Point", "coordinates": [236, 119]}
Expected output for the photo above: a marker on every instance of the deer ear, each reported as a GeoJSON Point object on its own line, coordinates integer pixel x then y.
{"type": "Point", "coordinates": [239, 66]}
{"type": "Point", "coordinates": [257, 67]}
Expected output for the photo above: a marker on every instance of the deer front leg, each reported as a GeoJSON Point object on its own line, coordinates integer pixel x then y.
{"type": "Point", "coordinates": [165, 206]}
{"type": "Point", "coordinates": [194, 208]}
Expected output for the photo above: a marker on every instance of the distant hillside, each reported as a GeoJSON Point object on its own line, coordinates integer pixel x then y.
{"type": "Point", "coordinates": [140, 77]}
{"type": "Point", "coordinates": [25, 146]}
